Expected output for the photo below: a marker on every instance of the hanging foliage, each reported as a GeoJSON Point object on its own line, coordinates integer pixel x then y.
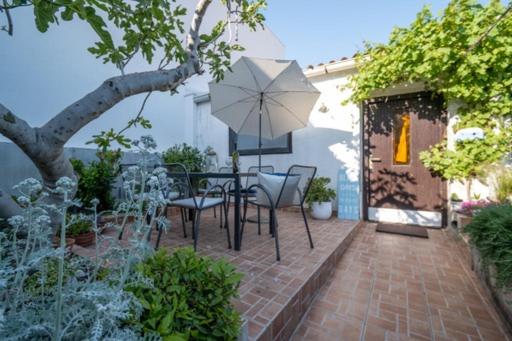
{"type": "Point", "coordinates": [465, 55]}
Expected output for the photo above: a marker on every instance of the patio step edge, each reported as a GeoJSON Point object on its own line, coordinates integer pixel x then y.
{"type": "Point", "coordinates": [284, 324]}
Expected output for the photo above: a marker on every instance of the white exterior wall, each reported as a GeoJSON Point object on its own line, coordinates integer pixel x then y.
{"type": "Point", "coordinates": [41, 74]}
{"type": "Point", "coordinates": [330, 141]}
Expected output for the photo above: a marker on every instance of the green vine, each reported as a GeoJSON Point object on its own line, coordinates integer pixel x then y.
{"type": "Point", "coordinates": [465, 55]}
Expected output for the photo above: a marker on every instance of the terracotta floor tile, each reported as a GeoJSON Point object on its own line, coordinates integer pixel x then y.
{"type": "Point", "coordinates": [415, 290]}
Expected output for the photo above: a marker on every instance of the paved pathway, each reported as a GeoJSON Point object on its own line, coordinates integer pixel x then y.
{"type": "Point", "coordinates": [391, 287]}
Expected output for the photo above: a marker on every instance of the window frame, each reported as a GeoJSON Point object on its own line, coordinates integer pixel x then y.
{"type": "Point", "coordinates": [264, 151]}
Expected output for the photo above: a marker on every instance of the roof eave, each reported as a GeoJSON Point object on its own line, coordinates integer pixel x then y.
{"type": "Point", "coordinates": [338, 66]}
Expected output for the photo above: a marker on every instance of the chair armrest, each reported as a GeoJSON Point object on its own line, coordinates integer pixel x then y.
{"type": "Point", "coordinates": [209, 190]}
{"type": "Point", "coordinates": [265, 191]}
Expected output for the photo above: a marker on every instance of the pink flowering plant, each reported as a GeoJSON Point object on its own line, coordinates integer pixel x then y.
{"type": "Point", "coordinates": [472, 206]}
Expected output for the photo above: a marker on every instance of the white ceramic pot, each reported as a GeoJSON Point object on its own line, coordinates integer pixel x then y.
{"type": "Point", "coordinates": [321, 210]}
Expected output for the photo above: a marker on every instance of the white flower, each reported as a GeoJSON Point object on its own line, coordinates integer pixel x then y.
{"type": "Point", "coordinates": [16, 221]}
{"type": "Point", "coordinates": [148, 142]}
{"type": "Point", "coordinates": [65, 185]}
{"type": "Point", "coordinates": [23, 200]}
{"type": "Point", "coordinates": [153, 181]}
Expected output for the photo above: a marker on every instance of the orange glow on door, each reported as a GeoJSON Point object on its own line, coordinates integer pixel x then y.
{"type": "Point", "coordinates": [402, 139]}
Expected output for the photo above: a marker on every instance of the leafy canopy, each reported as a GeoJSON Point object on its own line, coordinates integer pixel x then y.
{"type": "Point", "coordinates": [465, 55]}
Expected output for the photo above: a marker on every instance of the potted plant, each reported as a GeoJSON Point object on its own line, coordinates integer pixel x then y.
{"type": "Point", "coordinates": [80, 229]}
{"type": "Point", "coordinates": [455, 201]}
{"type": "Point", "coordinates": [320, 198]}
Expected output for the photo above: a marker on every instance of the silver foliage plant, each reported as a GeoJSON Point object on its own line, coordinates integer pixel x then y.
{"type": "Point", "coordinates": [88, 301]}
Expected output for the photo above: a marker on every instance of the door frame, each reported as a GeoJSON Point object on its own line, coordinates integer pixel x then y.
{"type": "Point", "coordinates": [365, 169]}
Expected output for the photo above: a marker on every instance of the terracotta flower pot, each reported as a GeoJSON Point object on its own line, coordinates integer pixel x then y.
{"type": "Point", "coordinates": [85, 239]}
{"type": "Point", "coordinates": [69, 243]}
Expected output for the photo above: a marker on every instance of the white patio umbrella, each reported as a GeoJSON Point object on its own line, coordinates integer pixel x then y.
{"type": "Point", "coordinates": [263, 97]}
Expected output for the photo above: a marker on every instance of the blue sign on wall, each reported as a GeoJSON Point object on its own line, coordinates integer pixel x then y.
{"type": "Point", "coordinates": [348, 197]}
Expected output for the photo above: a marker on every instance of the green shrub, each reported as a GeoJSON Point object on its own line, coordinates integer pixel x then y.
{"type": "Point", "coordinates": [44, 281]}
{"type": "Point", "coordinates": [504, 186]}
{"type": "Point", "coordinates": [192, 158]}
{"type": "Point", "coordinates": [190, 297]}
{"type": "Point", "coordinates": [96, 179]}
{"type": "Point", "coordinates": [491, 232]}
{"type": "Point", "coordinates": [319, 192]}
{"type": "Point", "coordinates": [79, 226]}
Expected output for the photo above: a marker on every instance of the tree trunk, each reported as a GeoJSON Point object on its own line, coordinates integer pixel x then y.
{"type": "Point", "coordinates": [45, 145]}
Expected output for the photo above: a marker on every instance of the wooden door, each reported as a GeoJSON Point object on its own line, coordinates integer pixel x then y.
{"type": "Point", "coordinates": [398, 187]}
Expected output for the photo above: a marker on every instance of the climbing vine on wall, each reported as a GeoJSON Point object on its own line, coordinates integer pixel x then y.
{"type": "Point", "coordinates": [465, 54]}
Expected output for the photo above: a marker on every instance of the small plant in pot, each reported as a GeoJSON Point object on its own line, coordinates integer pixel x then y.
{"type": "Point", "coordinates": [455, 201]}
{"type": "Point", "coordinates": [320, 198]}
{"type": "Point", "coordinates": [81, 230]}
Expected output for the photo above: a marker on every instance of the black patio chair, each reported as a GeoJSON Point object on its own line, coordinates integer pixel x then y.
{"type": "Point", "coordinates": [208, 183]}
{"type": "Point", "coordinates": [185, 198]}
{"type": "Point", "coordinates": [306, 175]}
{"type": "Point", "coordinates": [250, 180]}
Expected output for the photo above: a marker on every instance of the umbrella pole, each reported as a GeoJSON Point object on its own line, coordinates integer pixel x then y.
{"type": "Point", "coordinates": [259, 134]}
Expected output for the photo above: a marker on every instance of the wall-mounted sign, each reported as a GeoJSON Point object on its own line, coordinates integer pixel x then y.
{"type": "Point", "coordinates": [468, 134]}
{"type": "Point", "coordinates": [348, 197]}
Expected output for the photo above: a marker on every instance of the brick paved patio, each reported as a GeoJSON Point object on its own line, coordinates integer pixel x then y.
{"type": "Point", "coordinates": [273, 295]}
{"type": "Point", "coordinates": [391, 287]}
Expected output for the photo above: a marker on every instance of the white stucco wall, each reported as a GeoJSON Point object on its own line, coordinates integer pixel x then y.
{"type": "Point", "coordinates": [330, 141]}
{"type": "Point", "coordinates": [41, 74]}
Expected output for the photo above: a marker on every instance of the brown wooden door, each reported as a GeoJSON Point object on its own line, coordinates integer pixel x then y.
{"type": "Point", "coordinates": [397, 129]}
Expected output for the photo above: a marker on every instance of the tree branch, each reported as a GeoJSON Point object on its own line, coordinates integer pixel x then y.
{"type": "Point", "coordinates": [193, 38]}
{"type": "Point", "coordinates": [16, 129]}
{"type": "Point", "coordinates": [10, 28]}
{"type": "Point", "coordinates": [73, 118]}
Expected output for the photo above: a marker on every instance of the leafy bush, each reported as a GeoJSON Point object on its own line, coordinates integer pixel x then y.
{"type": "Point", "coordinates": [46, 277]}
{"type": "Point", "coordinates": [78, 225]}
{"type": "Point", "coordinates": [491, 232]}
{"type": "Point", "coordinates": [96, 179]}
{"type": "Point", "coordinates": [47, 295]}
{"type": "Point", "coordinates": [190, 297]}
{"type": "Point", "coordinates": [319, 192]}
{"type": "Point", "coordinates": [504, 186]}
{"type": "Point", "coordinates": [192, 158]}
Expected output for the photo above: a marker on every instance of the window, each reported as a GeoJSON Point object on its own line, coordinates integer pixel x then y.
{"type": "Point", "coordinates": [248, 145]}
{"type": "Point", "coordinates": [401, 139]}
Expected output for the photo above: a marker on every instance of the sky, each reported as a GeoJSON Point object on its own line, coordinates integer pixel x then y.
{"type": "Point", "coordinates": [317, 31]}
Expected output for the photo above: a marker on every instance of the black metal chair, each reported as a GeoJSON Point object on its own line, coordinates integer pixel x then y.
{"type": "Point", "coordinates": [306, 175]}
{"type": "Point", "coordinates": [249, 180]}
{"type": "Point", "coordinates": [208, 183]}
{"type": "Point", "coordinates": [184, 198]}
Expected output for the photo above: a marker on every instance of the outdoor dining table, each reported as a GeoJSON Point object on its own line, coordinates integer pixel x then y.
{"type": "Point", "coordinates": [237, 195]}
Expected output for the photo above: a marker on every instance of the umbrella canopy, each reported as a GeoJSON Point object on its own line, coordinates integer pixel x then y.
{"type": "Point", "coordinates": [263, 97]}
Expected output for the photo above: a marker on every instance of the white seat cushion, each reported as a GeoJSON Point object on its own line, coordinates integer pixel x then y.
{"type": "Point", "coordinates": [273, 184]}
{"type": "Point", "coordinates": [189, 202]}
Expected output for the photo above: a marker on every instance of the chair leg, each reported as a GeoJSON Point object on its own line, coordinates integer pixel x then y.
{"type": "Point", "coordinates": [243, 222]}
{"type": "Point", "coordinates": [183, 223]}
{"type": "Point", "coordinates": [158, 238]}
{"type": "Point", "coordinates": [276, 236]}
{"type": "Point", "coordinates": [227, 224]}
{"type": "Point", "coordinates": [307, 226]}
{"type": "Point", "coordinates": [215, 212]}
{"type": "Point", "coordinates": [197, 218]}
{"type": "Point", "coordinates": [259, 220]}
{"type": "Point", "coordinates": [220, 217]}
{"type": "Point", "coordinates": [148, 222]}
